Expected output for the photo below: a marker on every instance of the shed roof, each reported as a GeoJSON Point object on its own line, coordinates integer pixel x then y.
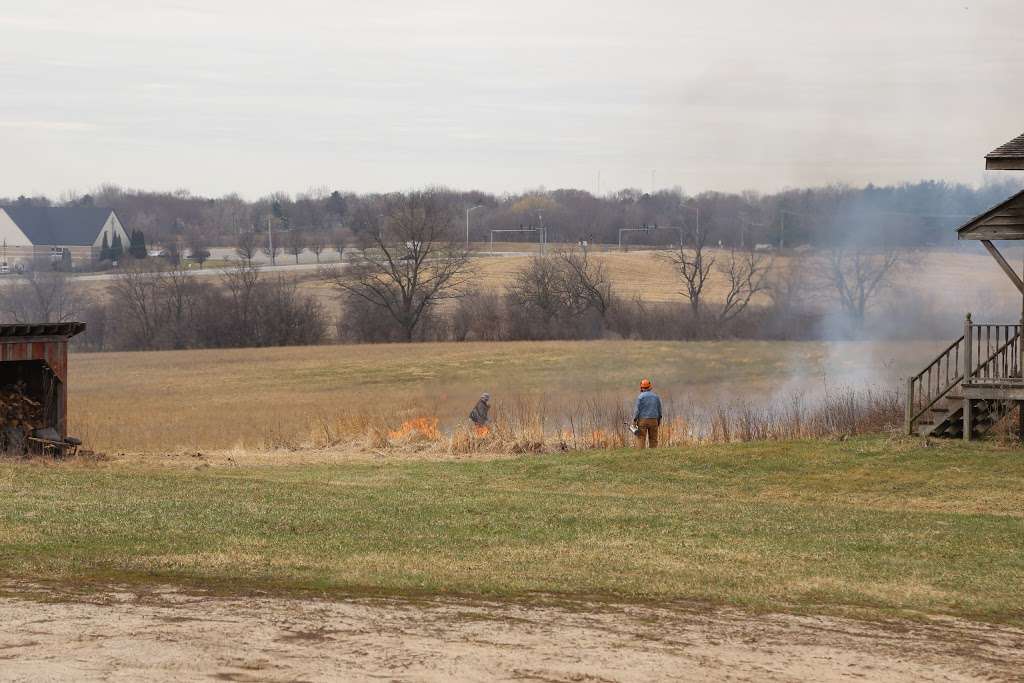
{"type": "Point", "coordinates": [1004, 221]}
{"type": "Point", "coordinates": [73, 226]}
{"type": "Point", "coordinates": [69, 329]}
{"type": "Point", "coordinates": [1007, 157]}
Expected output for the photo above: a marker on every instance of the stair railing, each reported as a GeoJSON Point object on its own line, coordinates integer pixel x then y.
{"type": "Point", "coordinates": [927, 387]}
{"type": "Point", "coordinates": [997, 349]}
{"type": "Point", "coordinates": [991, 352]}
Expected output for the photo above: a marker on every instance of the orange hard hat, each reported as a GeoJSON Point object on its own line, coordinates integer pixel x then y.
{"type": "Point", "coordinates": [645, 384]}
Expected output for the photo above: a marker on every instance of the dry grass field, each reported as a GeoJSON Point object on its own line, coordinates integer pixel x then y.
{"type": "Point", "coordinates": [649, 276]}
{"type": "Point", "coordinates": [292, 397]}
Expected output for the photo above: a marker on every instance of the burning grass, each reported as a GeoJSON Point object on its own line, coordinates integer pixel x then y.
{"type": "Point", "coordinates": [530, 425]}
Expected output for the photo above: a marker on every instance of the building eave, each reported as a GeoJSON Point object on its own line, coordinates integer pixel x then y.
{"type": "Point", "coordinates": [1004, 221]}
{"type": "Point", "coordinates": [1004, 163]}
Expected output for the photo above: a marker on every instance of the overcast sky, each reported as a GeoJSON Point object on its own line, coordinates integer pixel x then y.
{"type": "Point", "coordinates": [228, 95]}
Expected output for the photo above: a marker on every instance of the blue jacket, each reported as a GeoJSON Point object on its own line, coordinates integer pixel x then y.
{"type": "Point", "coordinates": [648, 406]}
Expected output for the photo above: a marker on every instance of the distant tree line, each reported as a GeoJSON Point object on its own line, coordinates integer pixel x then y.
{"type": "Point", "coordinates": [408, 277]}
{"type": "Point", "coordinates": [912, 214]}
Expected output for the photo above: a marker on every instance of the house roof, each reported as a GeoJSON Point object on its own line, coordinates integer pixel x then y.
{"type": "Point", "coordinates": [1004, 221]}
{"type": "Point", "coordinates": [73, 226]}
{"type": "Point", "coordinates": [1007, 157]}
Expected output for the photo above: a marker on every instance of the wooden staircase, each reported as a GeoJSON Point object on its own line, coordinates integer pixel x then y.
{"type": "Point", "coordinates": [938, 395]}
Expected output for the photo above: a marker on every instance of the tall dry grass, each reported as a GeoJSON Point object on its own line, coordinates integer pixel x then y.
{"type": "Point", "coordinates": [533, 424]}
{"type": "Point", "coordinates": [578, 393]}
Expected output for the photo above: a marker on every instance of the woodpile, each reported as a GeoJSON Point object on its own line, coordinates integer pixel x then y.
{"type": "Point", "coordinates": [20, 416]}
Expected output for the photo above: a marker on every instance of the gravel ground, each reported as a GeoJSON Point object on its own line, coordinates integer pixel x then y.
{"type": "Point", "coordinates": [167, 635]}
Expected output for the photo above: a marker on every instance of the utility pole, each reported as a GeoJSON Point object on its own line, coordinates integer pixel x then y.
{"type": "Point", "coordinates": [696, 210]}
{"type": "Point", "coordinates": [543, 233]}
{"type": "Point", "coordinates": [270, 239]}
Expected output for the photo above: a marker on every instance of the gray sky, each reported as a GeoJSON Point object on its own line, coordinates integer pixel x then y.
{"type": "Point", "coordinates": [229, 95]}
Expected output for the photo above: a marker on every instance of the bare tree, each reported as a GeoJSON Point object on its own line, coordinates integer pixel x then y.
{"type": "Point", "coordinates": [856, 274]}
{"type": "Point", "coordinates": [136, 290]}
{"type": "Point", "coordinates": [41, 297]}
{"type": "Point", "coordinates": [295, 242]}
{"type": "Point", "coordinates": [411, 262]}
{"type": "Point", "coordinates": [286, 316]}
{"type": "Point", "coordinates": [564, 285]}
{"type": "Point", "coordinates": [240, 283]}
{"type": "Point", "coordinates": [177, 297]}
{"type": "Point", "coordinates": [246, 245]}
{"type": "Point", "coordinates": [694, 264]}
{"type": "Point", "coordinates": [585, 282]}
{"type": "Point", "coordinates": [316, 240]}
{"type": "Point", "coordinates": [340, 238]}
{"type": "Point", "coordinates": [745, 274]}
{"type": "Point", "coordinates": [788, 284]}
{"type": "Point", "coordinates": [540, 289]}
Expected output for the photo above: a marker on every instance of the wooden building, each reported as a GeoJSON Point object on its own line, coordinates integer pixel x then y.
{"type": "Point", "coordinates": [1009, 157]}
{"type": "Point", "coordinates": [35, 358]}
{"type": "Point", "coordinates": [977, 380]}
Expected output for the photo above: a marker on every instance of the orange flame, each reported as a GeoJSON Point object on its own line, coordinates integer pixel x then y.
{"type": "Point", "coordinates": [480, 431]}
{"type": "Point", "coordinates": [419, 427]}
{"type": "Point", "coordinates": [598, 438]}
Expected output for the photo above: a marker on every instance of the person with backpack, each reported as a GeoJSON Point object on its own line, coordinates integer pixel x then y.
{"type": "Point", "coordinates": [479, 412]}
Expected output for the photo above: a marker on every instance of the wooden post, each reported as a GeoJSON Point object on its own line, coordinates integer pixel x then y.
{"type": "Point", "coordinates": [909, 419]}
{"type": "Point", "coordinates": [1007, 268]}
{"type": "Point", "coordinates": [968, 371]}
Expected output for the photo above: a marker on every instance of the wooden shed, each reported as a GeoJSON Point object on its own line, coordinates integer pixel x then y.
{"type": "Point", "coordinates": [34, 361]}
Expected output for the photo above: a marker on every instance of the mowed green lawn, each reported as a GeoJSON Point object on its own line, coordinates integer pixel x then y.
{"type": "Point", "coordinates": [873, 525]}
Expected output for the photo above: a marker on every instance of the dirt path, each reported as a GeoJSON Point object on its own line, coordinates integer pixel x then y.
{"type": "Point", "coordinates": [169, 636]}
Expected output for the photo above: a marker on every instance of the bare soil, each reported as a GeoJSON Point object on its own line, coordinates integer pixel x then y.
{"type": "Point", "coordinates": [168, 635]}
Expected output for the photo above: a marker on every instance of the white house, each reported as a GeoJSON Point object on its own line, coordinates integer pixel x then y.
{"type": "Point", "coordinates": [36, 235]}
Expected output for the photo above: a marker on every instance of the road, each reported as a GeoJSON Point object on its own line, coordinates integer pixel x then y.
{"type": "Point", "coordinates": [306, 262]}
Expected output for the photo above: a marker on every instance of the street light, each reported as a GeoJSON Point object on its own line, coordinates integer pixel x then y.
{"type": "Point", "coordinates": [470, 209]}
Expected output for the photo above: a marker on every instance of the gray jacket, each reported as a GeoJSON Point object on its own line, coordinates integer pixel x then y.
{"type": "Point", "coordinates": [479, 413]}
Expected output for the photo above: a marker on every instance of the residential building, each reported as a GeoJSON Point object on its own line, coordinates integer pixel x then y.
{"type": "Point", "coordinates": [36, 236]}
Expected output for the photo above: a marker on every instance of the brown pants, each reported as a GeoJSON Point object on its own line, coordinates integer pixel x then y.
{"type": "Point", "coordinates": [648, 430]}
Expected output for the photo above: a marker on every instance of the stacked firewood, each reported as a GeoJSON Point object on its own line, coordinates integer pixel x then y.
{"type": "Point", "coordinates": [20, 416]}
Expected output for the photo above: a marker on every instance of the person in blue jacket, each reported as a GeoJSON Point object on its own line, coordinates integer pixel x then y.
{"type": "Point", "coordinates": [647, 416]}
